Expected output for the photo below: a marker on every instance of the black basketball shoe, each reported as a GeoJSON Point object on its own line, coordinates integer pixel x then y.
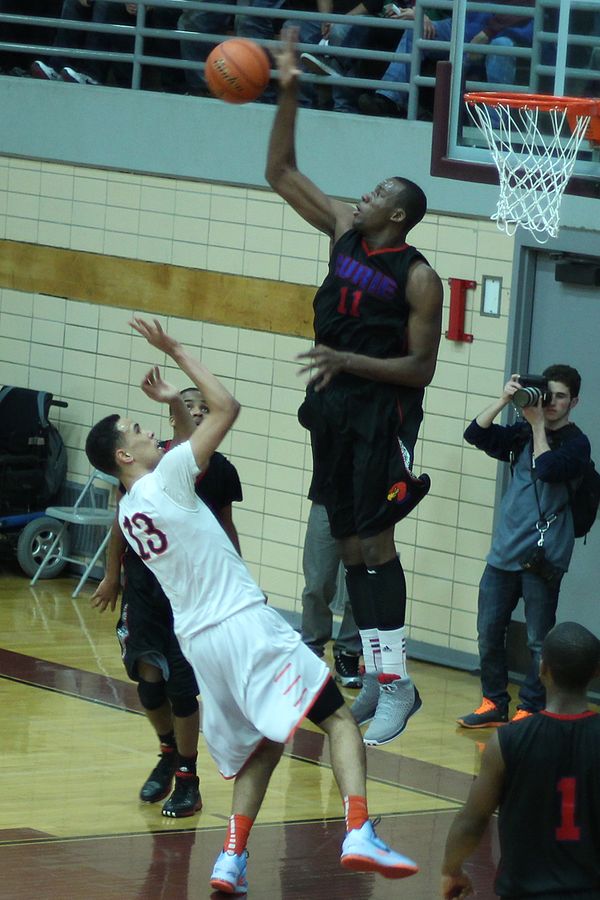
{"type": "Point", "coordinates": [347, 672]}
{"type": "Point", "coordinates": [159, 781]}
{"type": "Point", "coordinates": [185, 799]}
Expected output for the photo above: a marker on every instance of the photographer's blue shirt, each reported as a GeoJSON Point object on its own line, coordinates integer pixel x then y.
{"type": "Point", "coordinates": [515, 536]}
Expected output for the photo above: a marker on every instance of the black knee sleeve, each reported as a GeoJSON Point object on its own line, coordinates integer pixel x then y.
{"type": "Point", "coordinates": [183, 706]}
{"type": "Point", "coordinates": [361, 598]}
{"type": "Point", "coordinates": [152, 694]}
{"type": "Point", "coordinates": [388, 586]}
{"type": "Point", "coordinates": [326, 703]}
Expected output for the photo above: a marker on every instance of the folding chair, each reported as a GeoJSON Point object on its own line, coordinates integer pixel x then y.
{"type": "Point", "coordinates": [85, 512]}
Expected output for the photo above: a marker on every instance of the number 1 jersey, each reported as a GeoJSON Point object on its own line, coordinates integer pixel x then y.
{"type": "Point", "coordinates": [549, 820]}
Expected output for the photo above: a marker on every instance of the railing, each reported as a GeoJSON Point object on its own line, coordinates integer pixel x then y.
{"type": "Point", "coordinates": [533, 62]}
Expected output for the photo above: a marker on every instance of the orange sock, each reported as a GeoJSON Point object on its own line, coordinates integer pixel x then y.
{"type": "Point", "coordinates": [356, 812]}
{"type": "Point", "coordinates": [238, 830]}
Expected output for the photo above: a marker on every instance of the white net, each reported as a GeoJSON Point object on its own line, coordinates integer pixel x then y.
{"type": "Point", "coordinates": [534, 163]}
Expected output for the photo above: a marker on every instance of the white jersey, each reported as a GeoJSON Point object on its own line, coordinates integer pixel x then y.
{"type": "Point", "coordinates": [181, 542]}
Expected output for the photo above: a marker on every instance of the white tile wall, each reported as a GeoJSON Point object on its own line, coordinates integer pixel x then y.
{"type": "Point", "coordinates": [87, 355]}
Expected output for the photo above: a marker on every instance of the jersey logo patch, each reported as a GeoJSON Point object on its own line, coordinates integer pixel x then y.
{"type": "Point", "coordinates": [397, 492]}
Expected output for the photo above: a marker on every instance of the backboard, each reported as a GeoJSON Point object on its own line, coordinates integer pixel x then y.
{"type": "Point", "coordinates": [555, 50]}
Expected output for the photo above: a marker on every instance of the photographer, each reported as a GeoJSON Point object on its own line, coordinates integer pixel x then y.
{"type": "Point", "coordinates": [533, 539]}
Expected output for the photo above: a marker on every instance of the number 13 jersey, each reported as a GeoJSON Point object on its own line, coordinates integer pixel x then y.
{"type": "Point", "coordinates": [181, 542]}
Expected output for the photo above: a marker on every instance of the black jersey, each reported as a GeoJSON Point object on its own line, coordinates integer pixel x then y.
{"type": "Point", "coordinates": [361, 306]}
{"type": "Point", "coordinates": [549, 821]}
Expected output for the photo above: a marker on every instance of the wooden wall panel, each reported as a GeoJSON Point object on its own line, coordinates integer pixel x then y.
{"type": "Point", "coordinates": [255, 303]}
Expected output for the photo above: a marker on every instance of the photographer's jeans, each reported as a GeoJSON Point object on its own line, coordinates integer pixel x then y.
{"type": "Point", "coordinates": [499, 593]}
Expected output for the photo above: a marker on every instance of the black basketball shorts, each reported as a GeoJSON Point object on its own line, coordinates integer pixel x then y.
{"type": "Point", "coordinates": [145, 630]}
{"type": "Point", "coordinates": [363, 444]}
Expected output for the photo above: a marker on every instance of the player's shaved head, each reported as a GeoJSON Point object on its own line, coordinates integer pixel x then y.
{"type": "Point", "coordinates": [413, 201]}
{"type": "Point", "coordinates": [572, 654]}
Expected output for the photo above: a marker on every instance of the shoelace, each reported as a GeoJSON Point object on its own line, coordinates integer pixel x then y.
{"type": "Point", "coordinates": [486, 706]}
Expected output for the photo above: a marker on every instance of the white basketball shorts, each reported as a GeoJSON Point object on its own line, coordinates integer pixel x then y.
{"type": "Point", "coordinates": [257, 680]}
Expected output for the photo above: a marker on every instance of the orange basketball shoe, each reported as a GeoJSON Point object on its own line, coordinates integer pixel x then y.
{"type": "Point", "coordinates": [522, 714]}
{"type": "Point", "coordinates": [488, 715]}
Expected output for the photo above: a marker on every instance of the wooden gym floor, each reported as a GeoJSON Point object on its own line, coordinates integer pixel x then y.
{"type": "Point", "coordinates": [76, 750]}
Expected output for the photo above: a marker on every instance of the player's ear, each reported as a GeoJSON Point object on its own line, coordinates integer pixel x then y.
{"type": "Point", "coordinates": [574, 402]}
{"type": "Point", "coordinates": [398, 215]}
{"type": "Point", "coordinates": [172, 421]}
{"type": "Point", "coordinates": [123, 457]}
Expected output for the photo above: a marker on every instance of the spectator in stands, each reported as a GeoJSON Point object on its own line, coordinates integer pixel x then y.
{"type": "Point", "coordinates": [334, 35]}
{"type": "Point", "coordinates": [11, 62]}
{"type": "Point", "coordinates": [90, 71]}
{"type": "Point", "coordinates": [480, 28]}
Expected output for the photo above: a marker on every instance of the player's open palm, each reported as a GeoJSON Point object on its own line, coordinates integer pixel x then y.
{"type": "Point", "coordinates": [155, 387]}
{"type": "Point", "coordinates": [154, 334]}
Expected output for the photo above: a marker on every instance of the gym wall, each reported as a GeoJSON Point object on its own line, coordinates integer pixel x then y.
{"type": "Point", "coordinates": [231, 271]}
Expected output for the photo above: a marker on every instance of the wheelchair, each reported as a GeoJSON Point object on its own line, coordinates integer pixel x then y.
{"type": "Point", "coordinates": [33, 469]}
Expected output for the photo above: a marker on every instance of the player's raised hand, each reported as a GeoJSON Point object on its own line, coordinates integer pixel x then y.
{"type": "Point", "coordinates": [286, 58]}
{"type": "Point", "coordinates": [154, 334]}
{"type": "Point", "coordinates": [155, 387]}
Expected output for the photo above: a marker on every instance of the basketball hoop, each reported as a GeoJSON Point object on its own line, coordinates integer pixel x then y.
{"type": "Point", "coordinates": [534, 140]}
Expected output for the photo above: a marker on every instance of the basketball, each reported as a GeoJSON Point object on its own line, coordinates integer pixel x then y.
{"type": "Point", "coordinates": [237, 71]}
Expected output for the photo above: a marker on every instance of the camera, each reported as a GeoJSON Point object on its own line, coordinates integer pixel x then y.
{"type": "Point", "coordinates": [538, 564]}
{"type": "Point", "coordinates": [532, 388]}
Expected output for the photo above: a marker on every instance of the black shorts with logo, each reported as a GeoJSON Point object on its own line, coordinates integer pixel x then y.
{"type": "Point", "coordinates": [145, 629]}
{"type": "Point", "coordinates": [363, 436]}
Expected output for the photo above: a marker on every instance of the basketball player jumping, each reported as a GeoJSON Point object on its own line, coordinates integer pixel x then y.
{"type": "Point", "coordinates": [377, 329]}
{"type": "Point", "coordinates": [256, 677]}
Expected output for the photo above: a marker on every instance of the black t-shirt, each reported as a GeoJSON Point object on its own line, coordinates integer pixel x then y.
{"type": "Point", "coordinates": [219, 485]}
{"type": "Point", "coordinates": [549, 820]}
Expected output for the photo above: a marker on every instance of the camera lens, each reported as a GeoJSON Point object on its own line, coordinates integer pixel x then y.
{"type": "Point", "coordinates": [527, 396]}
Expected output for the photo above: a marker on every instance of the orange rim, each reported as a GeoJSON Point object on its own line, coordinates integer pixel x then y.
{"type": "Point", "coordinates": [576, 107]}
{"type": "Point", "coordinates": [581, 106]}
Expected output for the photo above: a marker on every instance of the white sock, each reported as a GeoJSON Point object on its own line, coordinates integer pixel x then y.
{"type": "Point", "coordinates": [371, 650]}
{"type": "Point", "coordinates": [393, 652]}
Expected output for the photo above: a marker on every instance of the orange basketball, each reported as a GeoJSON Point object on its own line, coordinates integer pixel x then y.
{"type": "Point", "coordinates": [237, 71]}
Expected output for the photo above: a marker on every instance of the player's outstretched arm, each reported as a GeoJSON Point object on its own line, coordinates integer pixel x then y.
{"type": "Point", "coordinates": [224, 408]}
{"type": "Point", "coordinates": [470, 823]}
{"type": "Point", "coordinates": [333, 217]}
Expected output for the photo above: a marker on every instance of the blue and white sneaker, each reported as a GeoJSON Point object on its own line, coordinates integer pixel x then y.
{"type": "Point", "coordinates": [229, 873]}
{"type": "Point", "coordinates": [363, 851]}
